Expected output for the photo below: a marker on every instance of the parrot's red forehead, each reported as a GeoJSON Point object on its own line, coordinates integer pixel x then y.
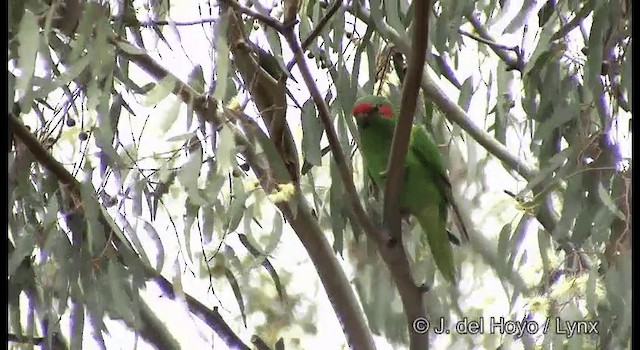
{"type": "Point", "coordinates": [366, 107]}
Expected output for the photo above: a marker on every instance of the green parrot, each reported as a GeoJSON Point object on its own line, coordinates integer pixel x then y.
{"type": "Point", "coordinates": [426, 192]}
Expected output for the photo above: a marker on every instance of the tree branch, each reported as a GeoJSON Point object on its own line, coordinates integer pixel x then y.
{"type": "Point", "coordinates": [325, 116]}
{"type": "Point", "coordinates": [270, 21]}
{"type": "Point", "coordinates": [333, 279]}
{"type": "Point", "coordinates": [25, 340]}
{"type": "Point", "coordinates": [400, 143]}
{"type": "Point", "coordinates": [152, 330]}
{"type": "Point", "coordinates": [456, 114]}
{"type": "Point", "coordinates": [335, 283]}
{"type": "Point", "coordinates": [131, 21]}
{"type": "Point", "coordinates": [505, 53]}
{"type": "Point", "coordinates": [488, 42]}
{"type": "Point", "coordinates": [394, 256]}
{"type": "Point", "coordinates": [213, 319]}
{"type": "Point", "coordinates": [400, 146]}
{"type": "Point", "coordinates": [316, 31]}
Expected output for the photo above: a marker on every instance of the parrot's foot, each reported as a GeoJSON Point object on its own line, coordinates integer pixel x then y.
{"type": "Point", "coordinates": [423, 288]}
{"type": "Point", "coordinates": [383, 174]}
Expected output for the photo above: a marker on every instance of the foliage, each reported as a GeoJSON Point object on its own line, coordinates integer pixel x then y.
{"type": "Point", "coordinates": [128, 170]}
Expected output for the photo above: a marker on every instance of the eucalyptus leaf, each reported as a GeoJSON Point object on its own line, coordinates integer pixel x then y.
{"type": "Point", "coordinates": [312, 131]}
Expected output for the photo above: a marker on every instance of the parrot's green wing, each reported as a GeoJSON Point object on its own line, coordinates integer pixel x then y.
{"type": "Point", "coordinates": [429, 155]}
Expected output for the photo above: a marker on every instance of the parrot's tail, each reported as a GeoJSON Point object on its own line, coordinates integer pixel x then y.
{"type": "Point", "coordinates": [433, 226]}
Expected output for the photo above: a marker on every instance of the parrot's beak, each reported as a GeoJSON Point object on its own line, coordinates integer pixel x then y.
{"type": "Point", "coordinates": [362, 118]}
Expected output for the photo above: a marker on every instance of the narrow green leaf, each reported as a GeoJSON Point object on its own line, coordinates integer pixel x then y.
{"type": "Point", "coordinates": [608, 202]}
{"type": "Point", "coordinates": [336, 208]}
{"type": "Point", "coordinates": [192, 211]}
{"type": "Point", "coordinates": [120, 302]}
{"type": "Point", "coordinates": [377, 15]}
{"type": "Point", "coordinates": [11, 90]}
{"type": "Point", "coordinates": [114, 113]}
{"type": "Point", "coordinates": [312, 131]}
{"type": "Point", "coordinates": [134, 239]}
{"type": "Point", "coordinates": [517, 238]}
{"type": "Point", "coordinates": [276, 234]}
{"type": "Point", "coordinates": [136, 197]}
{"type": "Point", "coordinates": [196, 79]}
{"type": "Point", "coordinates": [627, 74]}
{"type": "Point", "coordinates": [208, 218]}
{"type": "Point", "coordinates": [554, 163]}
{"type": "Point", "coordinates": [222, 57]}
{"type": "Point", "coordinates": [190, 171]}
{"type": "Point", "coordinates": [276, 47]}
{"type": "Point", "coordinates": [573, 203]}
{"type": "Point", "coordinates": [96, 238]}
{"type": "Point", "coordinates": [237, 208]}
{"type": "Point", "coordinates": [599, 29]}
{"type": "Point", "coordinates": [591, 297]}
{"type": "Point", "coordinates": [236, 292]}
{"type": "Point", "coordinates": [29, 39]}
{"type": "Point", "coordinates": [503, 241]}
{"type": "Point", "coordinates": [338, 29]}
{"type": "Point", "coordinates": [225, 152]}
{"type": "Point", "coordinates": [601, 225]}
{"type": "Point", "coordinates": [181, 137]}
{"type": "Point", "coordinates": [160, 91]}
{"type": "Point", "coordinates": [305, 26]}
{"type": "Point", "coordinates": [152, 234]}
{"type": "Point", "coordinates": [24, 245]}
{"type": "Point", "coordinates": [77, 326]}
{"type": "Point", "coordinates": [562, 115]}
{"type": "Point", "coordinates": [391, 15]}
{"type": "Point", "coordinates": [63, 79]}
{"type": "Point", "coordinates": [170, 115]}
{"type": "Point", "coordinates": [544, 245]}
{"type": "Point", "coordinates": [466, 93]}
{"type": "Point", "coordinates": [348, 89]}
{"type": "Point", "coordinates": [14, 311]}
{"type": "Point", "coordinates": [215, 182]}
{"type": "Point", "coordinates": [257, 253]}
{"type": "Point", "coordinates": [543, 46]}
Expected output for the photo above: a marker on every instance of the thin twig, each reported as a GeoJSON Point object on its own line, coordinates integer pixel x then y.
{"type": "Point", "coordinates": [505, 53]}
{"type": "Point", "coordinates": [399, 148]}
{"type": "Point", "coordinates": [316, 31]}
{"type": "Point", "coordinates": [583, 13]}
{"type": "Point", "coordinates": [490, 43]}
{"type": "Point", "coordinates": [269, 21]}
{"type": "Point", "coordinates": [133, 22]}
{"type": "Point", "coordinates": [400, 143]}
{"type": "Point", "coordinates": [25, 340]}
